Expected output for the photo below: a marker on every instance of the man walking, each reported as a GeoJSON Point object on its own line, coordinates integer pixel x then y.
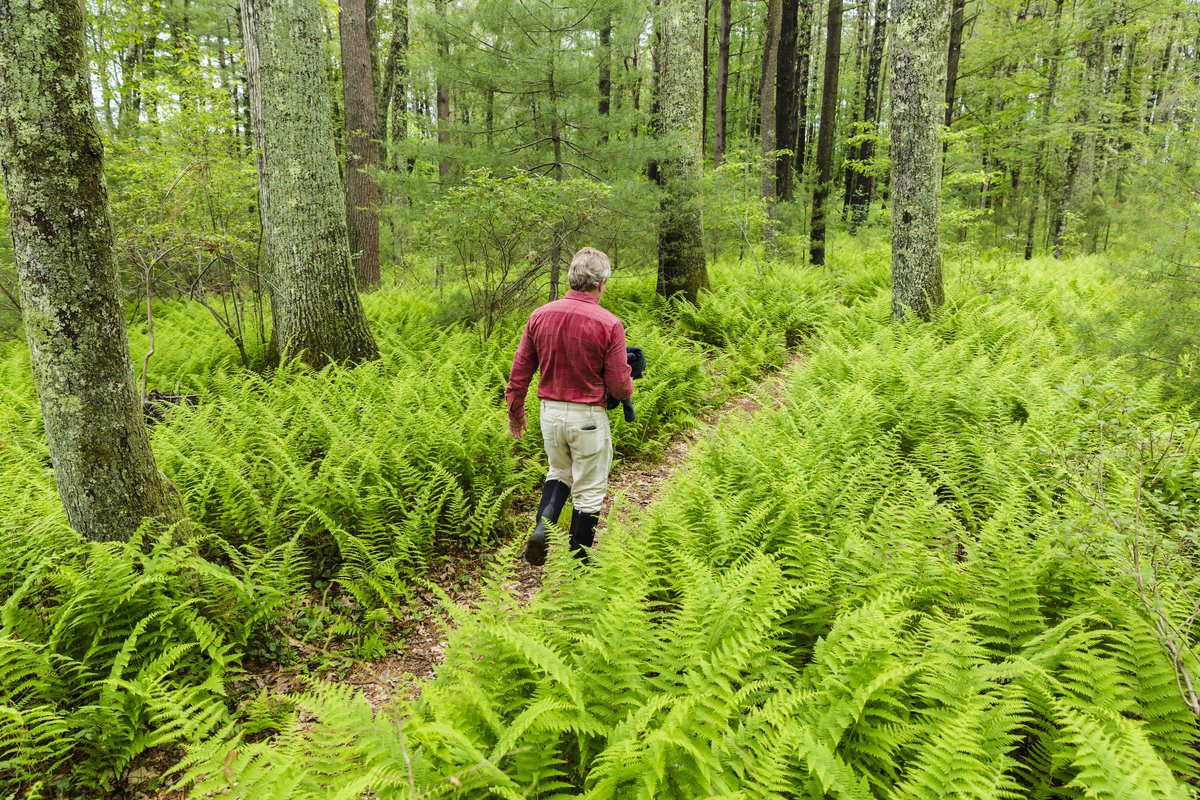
{"type": "Point", "coordinates": [580, 349]}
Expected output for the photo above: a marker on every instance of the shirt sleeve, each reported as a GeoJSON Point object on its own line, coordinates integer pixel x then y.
{"type": "Point", "coordinates": [525, 362]}
{"type": "Point", "coordinates": [618, 377]}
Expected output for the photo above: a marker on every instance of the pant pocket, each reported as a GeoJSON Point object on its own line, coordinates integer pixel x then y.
{"type": "Point", "coordinates": [588, 438]}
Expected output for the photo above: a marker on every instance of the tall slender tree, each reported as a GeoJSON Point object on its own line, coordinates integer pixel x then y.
{"type": "Point", "coordinates": [681, 267]}
{"type": "Point", "coordinates": [54, 178]}
{"type": "Point", "coordinates": [826, 133]}
{"type": "Point", "coordinates": [721, 113]}
{"type": "Point", "coordinates": [362, 147]}
{"type": "Point", "coordinates": [918, 71]}
{"type": "Point", "coordinates": [864, 153]}
{"type": "Point", "coordinates": [316, 311]}
{"type": "Point", "coordinates": [785, 99]}
{"type": "Point", "coordinates": [767, 110]}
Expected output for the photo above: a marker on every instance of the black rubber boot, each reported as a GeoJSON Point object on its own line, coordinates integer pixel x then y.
{"type": "Point", "coordinates": [583, 534]}
{"type": "Point", "coordinates": [554, 497]}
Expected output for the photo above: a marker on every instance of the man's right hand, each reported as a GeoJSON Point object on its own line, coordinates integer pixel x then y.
{"type": "Point", "coordinates": [516, 428]}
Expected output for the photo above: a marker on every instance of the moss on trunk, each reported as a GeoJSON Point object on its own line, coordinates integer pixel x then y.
{"type": "Point", "coordinates": [54, 177]}
{"type": "Point", "coordinates": [919, 40]}
{"type": "Point", "coordinates": [316, 311]}
{"type": "Point", "coordinates": [681, 267]}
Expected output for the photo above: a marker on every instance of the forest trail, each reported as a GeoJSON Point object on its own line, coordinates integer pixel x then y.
{"type": "Point", "coordinates": [424, 630]}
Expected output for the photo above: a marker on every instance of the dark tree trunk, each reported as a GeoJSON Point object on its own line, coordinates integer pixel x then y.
{"type": "Point", "coordinates": [393, 93]}
{"type": "Point", "coordinates": [953, 54]}
{"type": "Point", "coordinates": [605, 80]}
{"type": "Point", "coordinates": [681, 267]}
{"type": "Point", "coordinates": [864, 154]}
{"type": "Point", "coordinates": [317, 314]}
{"type": "Point", "coordinates": [825, 136]}
{"type": "Point", "coordinates": [721, 112]}
{"type": "Point", "coordinates": [52, 157]}
{"type": "Point", "coordinates": [919, 37]}
{"type": "Point", "coordinates": [785, 99]}
{"type": "Point", "coordinates": [362, 148]}
{"type": "Point", "coordinates": [861, 18]}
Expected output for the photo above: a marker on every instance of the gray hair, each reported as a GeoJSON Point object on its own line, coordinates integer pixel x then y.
{"type": "Point", "coordinates": [589, 268]}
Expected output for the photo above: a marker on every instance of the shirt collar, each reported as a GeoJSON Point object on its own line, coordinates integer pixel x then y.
{"type": "Point", "coordinates": [582, 296]}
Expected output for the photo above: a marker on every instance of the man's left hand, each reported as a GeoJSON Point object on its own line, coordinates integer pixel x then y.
{"type": "Point", "coordinates": [516, 428]}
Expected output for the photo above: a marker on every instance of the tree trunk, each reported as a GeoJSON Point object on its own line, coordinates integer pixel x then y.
{"type": "Point", "coordinates": [953, 53]}
{"type": "Point", "coordinates": [681, 267]}
{"type": "Point", "coordinates": [721, 112]}
{"type": "Point", "coordinates": [362, 148]}
{"type": "Point", "coordinates": [766, 105]}
{"type": "Point", "coordinates": [919, 40]}
{"type": "Point", "coordinates": [856, 106]}
{"type": "Point", "coordinates": [803, 70]}
{"type": "Point", "coordinates": [829, 97]}
{"type": "Point", "coordinates": [785, 99]}
{"type": "Point", "coordinates": [605, 80]}
{"type": "Point", "coordinates": [864, 154]}
{"type": "Point", "coordinates": [443, 93]}
{"type": "Point", "coordinates": [70, 297]}
{"type": "Point", "coordinates": [704, 81]}
{"type": "Point", "coordinates": [317, 313]}
{"type": "Point", "coordinates": [393, 91]}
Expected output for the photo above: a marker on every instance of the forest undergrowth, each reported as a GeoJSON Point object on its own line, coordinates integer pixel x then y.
{"type": "Point", "coordinates": [320, 502]}
{"type": "Point", "coordinates": [959, 558]}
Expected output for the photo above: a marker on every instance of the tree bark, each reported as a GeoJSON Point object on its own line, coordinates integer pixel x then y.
{"type": "Point", "coordinates": [362, 148]}
{"type": "Point", "coordinates": [953, 54]}
{"type": "Point", "coordinates": [785, 99]}
{"type": "Point", "coordinates": [70, 298]}
{"type": "Point", "coordinates": [766, 105]}
{"type": "Point", "coordinates": [860, 191]}
{"type": "Point", "coordinates": [604, 83]}
{"type": "Point", "coordinates": [317, 314]}
{"type": "Point", "coordinates": [443, 93]}
{"type": "Point", "coordinates": [919, 41]}
{"type": "Point", "coordinates": [829, 97]}
{"type": "Point", "coordinates": [803, 70]}
{"type": "Point", "coordinates": [681, 267]}
{"type": "Point", "coordinates": [721, 113]}
{"type": "Point", "coordinates": [393, 91]}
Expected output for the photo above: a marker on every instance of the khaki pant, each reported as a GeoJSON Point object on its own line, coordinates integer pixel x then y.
{"type": "Point", "coordinates": [578, 443]}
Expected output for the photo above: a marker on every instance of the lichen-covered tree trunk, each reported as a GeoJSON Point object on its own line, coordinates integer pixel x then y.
{"type": "Point", "coordinates": [316, 311]}
{"type": "Point", "coordinates": [54, 178]}
{"type": "Point", "coordinates": [825, 134]}
{"type": "Point", "coordinates": [362, 148]}
{"type": "Point", "coordinates": [681, 267]}
{"type": "Point", "coordinates": [920, 34]}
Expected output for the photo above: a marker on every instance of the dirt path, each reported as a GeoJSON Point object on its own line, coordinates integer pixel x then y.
{"type": "Point", "coordinates": [424, 630]}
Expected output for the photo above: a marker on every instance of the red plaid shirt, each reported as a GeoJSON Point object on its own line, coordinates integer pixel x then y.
{"type": "Point", "coordinates": [580, 348]}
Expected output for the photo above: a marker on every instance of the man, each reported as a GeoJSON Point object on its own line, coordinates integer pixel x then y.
{"type": "Point", "coordinates": [580, 349]}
